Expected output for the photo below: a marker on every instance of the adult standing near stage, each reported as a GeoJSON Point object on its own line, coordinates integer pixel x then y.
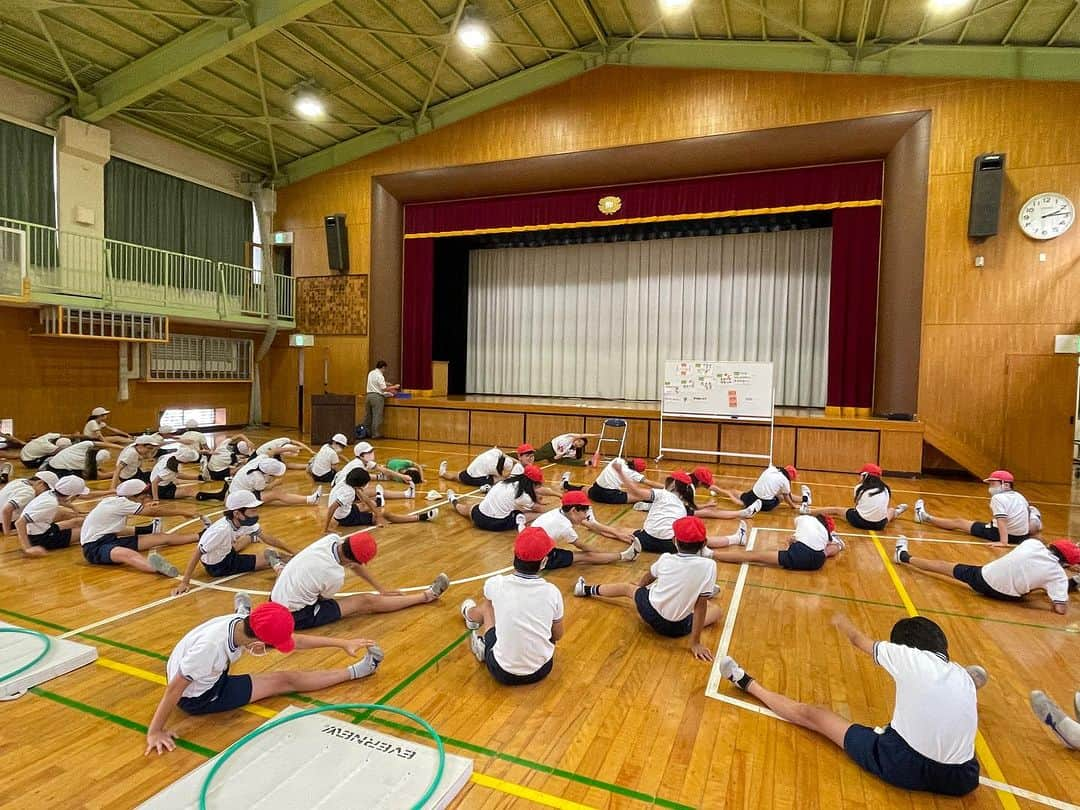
{"type": "Point", "coordinates": [377, 394]}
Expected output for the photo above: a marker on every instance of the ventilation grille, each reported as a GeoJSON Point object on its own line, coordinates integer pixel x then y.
{"type": "Point", "coordinates": [103, 324]}
{"type": "Point", "coordinates": [198, 358]}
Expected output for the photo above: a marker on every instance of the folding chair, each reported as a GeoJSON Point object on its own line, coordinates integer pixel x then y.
{"type": "Point", "coordinates": [618, 429]}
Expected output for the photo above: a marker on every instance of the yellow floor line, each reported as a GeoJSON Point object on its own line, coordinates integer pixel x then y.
{"type": "Point", "coordinates": [522, 792]}
{"type": "Point", "coordinates": [982, 750]}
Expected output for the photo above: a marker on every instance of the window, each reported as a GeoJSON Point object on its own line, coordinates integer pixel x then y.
{"type": "Point", "coordinates": [7, 426]}
{"type": "Point", "coordinates": [200, 359]}
{"type": "Point", "coordinates": [176, 418]}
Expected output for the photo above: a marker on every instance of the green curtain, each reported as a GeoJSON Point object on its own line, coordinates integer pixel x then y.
{"type": "Point", "coordinates": [26, 175]}
{"type": "Point", "coordinates": [158, 210]}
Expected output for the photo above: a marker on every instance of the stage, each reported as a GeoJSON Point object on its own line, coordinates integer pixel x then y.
{"type": "Point", "coordinates": [804, 437]}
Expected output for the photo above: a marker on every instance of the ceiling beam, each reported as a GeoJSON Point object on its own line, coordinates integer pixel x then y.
{"type": "Point", "coordinates": [188, 53]}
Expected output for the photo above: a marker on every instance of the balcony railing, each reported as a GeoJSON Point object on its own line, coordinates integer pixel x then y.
{"type": "Point", "coordinates": [122, 274]}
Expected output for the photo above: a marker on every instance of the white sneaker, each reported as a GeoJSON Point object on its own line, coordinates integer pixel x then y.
{"type": "Point", "coordinates": [313, 498]}
{"type": "Point", "coordinates": [451, 496]}
{"type": "Point", "coordinates": [367, 665]}
{"type": "Point", "coordinates": [380, 498]}
{"type": "Point", "coordinates": [590, 516]}
{"type": "Point", "coordinates": [439, 586]}
{"type": "Point", "coordinates": [740, 540]}
{"type": "Point", "coordinates": [706, 552]}
{"type": "Point", "coordinates": [901, 549]}
{"type": "Point", "coordinates": [486, 488]}
{"type": "Point", "coordinates": [273, 559]}
{"type": "Point", "coordinates": [920, 511]}
{"type": "Point", "coordinates": [751, 510]}
{"type": "Point", "coordinates": [900, 510]}
{"type": "Point", "coordinates": [521, 523]}
{"type": "Point", "coordinates": [242, 604]}
{"type": "Point", "coordinates": [431, 514]}
{"type": "Point", "coordinates": [565, 477]}
{"type": "Point", "coordinates": [835, 538]}
{"type": "Point", "coordinates": [161, 565]}
{"type": "Point", "coordinates": [730, 669]}
{"type": "Point", "coordinates": [1035, 524]}
{"type": "Point", "coordinates": [466, 606]}
{"type": "Point", "coordinates": [579, 587]}
{"type": "Point", "coordinates": [205, 521]}
{"type": "Point", "coordinates": [410, 492]}
{"type": "Point", "coordinates": [806, 497]}
{"type": "Point", "coordinates": [631, 551]}
{"type": "Point", "coordinates": [155, 526]}
{"type": "Point", "coordinates": [642, 506]}
{"type": "Point", "coordinates": [978, 675]}
{"type": "Point", "coordinates": [442, 469]}
{"type": "Point", "coordinates": [479, 649]}
{"type": "Point", "coordinates": [1050, 714]}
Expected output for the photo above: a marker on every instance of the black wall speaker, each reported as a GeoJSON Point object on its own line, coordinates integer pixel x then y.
{"type": "Point", "coordinates": [986, 181]}
{"type": "Point", "coordinates": [337, 242]}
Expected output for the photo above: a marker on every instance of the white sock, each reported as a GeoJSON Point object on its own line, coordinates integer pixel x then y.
{"type": "Point", "coordinates": [366, 665]}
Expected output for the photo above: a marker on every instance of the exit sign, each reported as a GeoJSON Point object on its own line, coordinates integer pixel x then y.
{"type": "Point", "coordinates": [1067, 344]}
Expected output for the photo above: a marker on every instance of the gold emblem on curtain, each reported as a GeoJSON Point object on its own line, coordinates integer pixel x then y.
{"type": "Point", "coordinates": [609, 205]}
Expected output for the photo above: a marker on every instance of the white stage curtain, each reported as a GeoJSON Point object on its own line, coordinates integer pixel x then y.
{"type": "Point", "coordinates": [600, 320]}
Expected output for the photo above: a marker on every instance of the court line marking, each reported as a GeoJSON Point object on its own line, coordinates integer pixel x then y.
{"type": "Point", "coordinates": [729, 620]}
{"type": "Point", "coordinates": [527, 793]}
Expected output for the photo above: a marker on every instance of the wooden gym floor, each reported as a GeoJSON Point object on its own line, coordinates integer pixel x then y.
{"type": "Point", "coordinates": [623, 721]}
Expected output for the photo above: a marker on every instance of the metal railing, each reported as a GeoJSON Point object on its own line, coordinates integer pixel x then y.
{"type": "Point", "coordinates": [123, 273]}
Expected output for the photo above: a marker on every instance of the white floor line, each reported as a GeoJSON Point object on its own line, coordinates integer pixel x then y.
{"type": "Point", "coordinates": [729, 620]}
{"type": "Point", "coordinates": [252, 592]}
{"type": "Point", "coordinates": [777, 530]}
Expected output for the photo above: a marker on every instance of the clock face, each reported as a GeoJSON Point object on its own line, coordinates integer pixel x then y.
{"type": "Point", "coordinates": [1047, 215]}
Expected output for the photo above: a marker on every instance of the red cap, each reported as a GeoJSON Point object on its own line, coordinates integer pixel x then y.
{"type": "Point", "coordinates": [638, 464]}
{"type": "Point", "coordinates": [828, 523]}
{"type": "Point", "coordinates": [689, 530]}
{"type": "Point", "coordinates": [525, 448]}
{"type": "Point", "coordinates": [703, 476]}
{"type": "Point", "coordinates": [534, 474]}
{"type": "Point", "coordinates": [999, 475]}
{"type": "Point", "coordinates": [1068, 550]}
{"type": "Point", "coordinates": [533, 544]}
{"type": "Point", "coordinates": [682, 477]}
{"type": "Point", "coordinates": [792, 473]}
{"type": "Point", "coordinates": [273, 625]}
{"type": "Point", "coordinates": [363, 548]}
{"type": "Point", "coordinates": [871, 469]}
{"type": "Point", "coordinates": [575, 497]}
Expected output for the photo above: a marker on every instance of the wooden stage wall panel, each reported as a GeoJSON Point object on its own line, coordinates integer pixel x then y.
{"type": "Point", "coordinates": [900, 451]}
{"type": "Point", "coordinates": [488, 429]}
{"type": "Point", "coordinates": [398, 423]}
{"type": "Point", "coordinates": [755, 439]}
{"type": "Point", "coordinates": [541, 428]}
{"type": "Point", "coordinates": [823, 449]}
{"type": "Point", "coordinates": [444, 426]}
{"type": "Point", "coordinates": [698, 434]}
{"type": "Point", "coordinates": [637, 436]}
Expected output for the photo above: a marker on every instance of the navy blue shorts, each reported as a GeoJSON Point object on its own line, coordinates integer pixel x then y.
{"type": "Point", "coordinates": [97, 553]}
{"type": "Point", "coordinates": [33, 463]}
{"type": "Point", "coordinates": [218, 475]}
{"type": "Point", "coordinates": [664, 627]}
{"type": "Point", "coordinates": [859, 522]}
{"type": "Point", "coordinates": [325, 478]}
{"type": "Point", "coordinates": [767, 504]}
{"type": "Point", "coordinates": [60, 472]}
{"type": "Point", "coordinates": [228, 693]}
{"type": "Point", "coordinates": [490, 524]}
{"type": "Point", "coordinates": [605, 495]}
{"type": "Point", "coordinates": [654, 544]}
{"type": "Point", "coordinates": [559, 558]}
{"type": "Point", "coordinates": [988, 531]}
{"type": "Point", "coordinates": [322, 612]}
{"type": "Point", "coordinates": [800, 557]}
{"type": "Point", "coordinates": [509, 678]}
{"type": "Point", "coordinates": [232, 564]}
{"type": "Point", "coordinates": [166, 491]}
{"type": "Point", "coordinates": [474, 481]}
{"type": "Point", "coordinates": [888, 757]}
{"type": "Point", "coordinates": [52, 539]}
{"type": "Point", "coordinates": [357, 518]}
{"type": "Point", "coordinates": [971, 575]}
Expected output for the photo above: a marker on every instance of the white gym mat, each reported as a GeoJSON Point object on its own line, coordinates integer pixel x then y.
{"type": "Point", "coordinates": [17, 649]}
{"type": "Point", "coordinates": [319, 761]}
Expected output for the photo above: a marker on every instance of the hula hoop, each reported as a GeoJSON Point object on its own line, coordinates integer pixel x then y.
{"type": "Point", "coordinates": [236, 746]}
{"type": "Point", "coordinates": [24, 632]}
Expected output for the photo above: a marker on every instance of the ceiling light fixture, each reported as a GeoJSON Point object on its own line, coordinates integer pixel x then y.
{"type": "Point", "coordinates": [308, 104]}
{"type": "Point", "coordinates": [472, 30]}
{"type": "Point", "coordinates": [674, 6]}
{"type": "Point", "coordinates": [943, 6]}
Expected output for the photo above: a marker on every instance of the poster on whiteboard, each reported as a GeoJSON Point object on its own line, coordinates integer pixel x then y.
{"type": "Point", "coordinates": [731, 389]}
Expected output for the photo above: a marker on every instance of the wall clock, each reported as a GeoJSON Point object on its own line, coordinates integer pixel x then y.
{"type": "Point", "coordinates": [1047, 215]}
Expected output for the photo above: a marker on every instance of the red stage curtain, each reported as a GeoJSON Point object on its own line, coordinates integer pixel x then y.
{"type": "Point", "coordinates": [815, 185]}
{"type": "Point", "coordinates": [417, 314]}
{"type": "Point", "coordinates": [853, 290]}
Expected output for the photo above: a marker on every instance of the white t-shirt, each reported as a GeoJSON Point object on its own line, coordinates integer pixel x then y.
{"type": "Point", "coordinates": [525, 608]}
{"type": "Point", "coordinates": [92, 429]}
{"type": "Point", "coordinates": [41, 447]}
{"type": "Point", "coordinates": [249, 478]}
{"type": "Point", "coordinates": [108, 517]}
{"type": "Point", "coordinates": [935, 711]}
{"type": "Point", "coordinates": [346, 497]}
{"type": "Point", "coordinates": [680, 580]}
{"type": "Point", "coordinates": [1028, 567]}
{"type": "Point", "coordinates": [810, 532]}
{"type": "Point", "coordinates": [1010, 509]}
{"type": "Point", "coordinates": [485, 463]}
{"type": "Point", "coordinates": [771, 484]}
{"type": "Point", "coordinates": [205, 653]}
{"type": "Point", "coordinates": [71, 458]}
{"type": "Point", "coordinates": [272, 446]}
{"type": "Point", "coordinates": [500, 501]}
{"type": "Point", "coordinates": [312, 574]}
{"type": "Point", "coordinates": [324, 460]}
{"type": "Point", "coordinates": [557, 525]}
{"type": "Point", "coordinates": [609, 478]}
{"type": "Point", "coordinates": [222, 457]}
{"type": "Point", "coordinates": [217, 541]}
{"type": "Point", "coordinates": [563, 445]}
{"type": "Point", "coordinates": [667, 507]}
{"type": "Point", "coordinates": [195, 438]}
{"type": "Point", "coordinates": [873, 508]}
{"type": "Point", "coordinates": [128, 462]}
{"type": "Point", "coordinates": [352, 464]}
{"type": "Point", "coordinates": [376, 382]}
{"type": "Point", "coordinates": [40, 513]}
{"type": "Point", "coordinates": [161, 472]}
{"type": "Point", "coordinates": [18, 493]}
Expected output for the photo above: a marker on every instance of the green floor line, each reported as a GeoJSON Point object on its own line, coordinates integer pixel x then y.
{"type": "Point", "coordinates": [120, 645]}
{"type": "Point", "coordinates": [441, 654]}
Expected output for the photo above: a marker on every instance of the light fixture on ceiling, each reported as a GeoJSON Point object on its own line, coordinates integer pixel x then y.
{"type": "Point", "coordinates": [674, 6]}
{"type": "Point", "coordinates": [943, 6]}
{"type": "Point", "coordinates": [308, 104]}
{"type": "Point", "coordinates": [472, 30]}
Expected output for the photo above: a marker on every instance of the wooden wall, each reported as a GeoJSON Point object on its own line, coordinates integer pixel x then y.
{"type": "Point", "coordinates": [51, 384]}
{"type": "Point", "coordinates": [972, 318]}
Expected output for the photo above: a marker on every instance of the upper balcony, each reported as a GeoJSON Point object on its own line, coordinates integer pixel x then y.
{"type": "Point", "coordinates": [41, 265]}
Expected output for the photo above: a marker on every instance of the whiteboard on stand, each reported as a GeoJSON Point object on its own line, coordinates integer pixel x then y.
{"type": "Point", "coordinates": [715, 388]}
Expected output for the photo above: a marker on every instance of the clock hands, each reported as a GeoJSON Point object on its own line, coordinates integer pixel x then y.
{"type": "Point", "coordinates": [1056, 213]}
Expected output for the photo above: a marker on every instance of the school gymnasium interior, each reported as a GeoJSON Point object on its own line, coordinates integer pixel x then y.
{"type": "Point", "coordinates": [823, 239]}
